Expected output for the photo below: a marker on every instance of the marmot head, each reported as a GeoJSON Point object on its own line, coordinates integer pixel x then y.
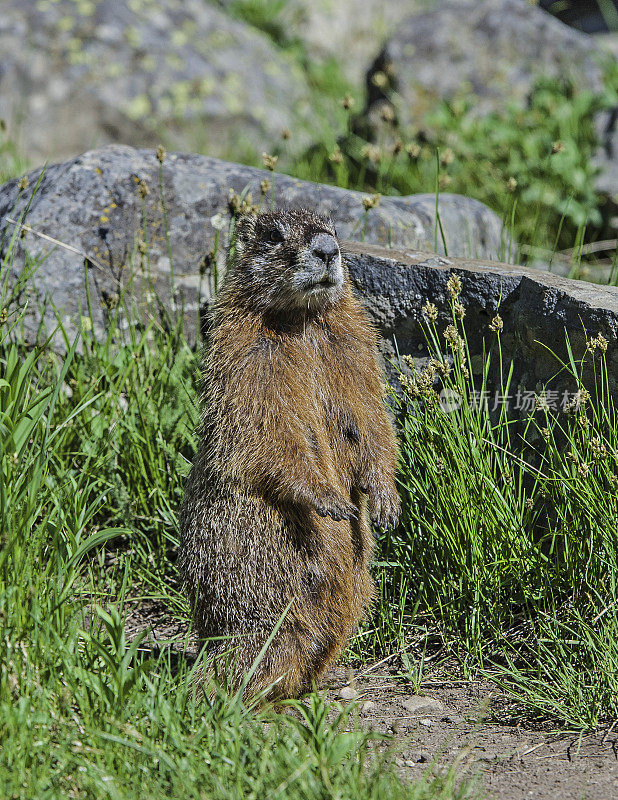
{"type": "Point", "coordinates": [288, 260]}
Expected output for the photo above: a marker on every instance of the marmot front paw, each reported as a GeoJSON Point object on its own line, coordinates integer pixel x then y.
{"type": "Point", "coordinates": [336, 507]}
{"type": "Point", "coordinates": [384, 508]}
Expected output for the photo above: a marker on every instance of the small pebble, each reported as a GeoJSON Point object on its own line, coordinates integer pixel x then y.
{"type": "Point", "coordinates": [367, 706]}
{"type": "Point", "coordinates": [419, 705]}
{"type": "Point", "coordinates": [426, 722]}
{"type": "Point", "coordinates": [347, 693]}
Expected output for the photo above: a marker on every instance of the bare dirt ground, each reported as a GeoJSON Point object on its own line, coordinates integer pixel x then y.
{"type": "Point", "coordinates": [454, 722]}
{"type": "Point", "coordinates": [458, 722]}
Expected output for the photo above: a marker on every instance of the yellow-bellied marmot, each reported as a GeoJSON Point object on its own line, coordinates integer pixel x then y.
{"type": "Point", "coordinates": [295, 440]}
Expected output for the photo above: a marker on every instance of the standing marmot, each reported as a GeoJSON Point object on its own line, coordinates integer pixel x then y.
{"type": "Point", "coordinates": [294, 435]}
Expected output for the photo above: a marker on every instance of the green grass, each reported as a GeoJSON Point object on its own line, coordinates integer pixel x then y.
{"type": "Point", "coordinates": [504, 563]}
{"type": "Point", "coordinates": [11, 162]}
{"type": "Point", "coordinates": [532, 164]}
{"type": "Point", "coordinates": [505, 559]}
{"type": "Point", "coordinates": [510, 531]}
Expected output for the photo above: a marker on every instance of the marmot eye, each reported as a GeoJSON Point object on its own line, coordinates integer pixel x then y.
{"type": "Point", "coordinates": [275, 236]}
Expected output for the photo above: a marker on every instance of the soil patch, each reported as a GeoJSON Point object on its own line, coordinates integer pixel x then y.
{"type": "Point", "coordinates": [451, 725]}
{"type": "Point", "coordinates": [453, 722]}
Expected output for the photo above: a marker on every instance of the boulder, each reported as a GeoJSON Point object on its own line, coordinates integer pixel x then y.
{"type": "Point", "coordinates": [538, 310]}
{"type": "Point", "coordinates": [496, 49]}
{"type": "Point", "coordinates": [75, 75]}
{"type": "Point", "coordinates": [143, 225]}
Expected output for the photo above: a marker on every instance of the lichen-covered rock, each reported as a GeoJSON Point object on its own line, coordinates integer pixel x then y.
{"type": "Point", "coordinates": [75, 75]}
{"type": "Point", "coordinates": [145, 225]}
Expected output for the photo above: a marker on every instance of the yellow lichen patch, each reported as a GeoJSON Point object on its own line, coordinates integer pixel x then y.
{"type": "Point", "coordinates": [114, 70]}
{"type": "Point", "coordinates": [148, 62]}
{"type": "Point", "coordinates": [174, 61]}
{"type": "Point", "coordinates": [65, 24]}
{"type": "Point", "coordinates": [85, 7]}
{"type": "Point", "coordinates": [207, 86]}
{"type": "Point", "coordinates": [179, 38]}
{"type": "Point", "coordinates": [133, 37]}
{"type": "Point", "coordinates": [138, 107]}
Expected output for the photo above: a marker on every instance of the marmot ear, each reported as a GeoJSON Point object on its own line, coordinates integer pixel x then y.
{"type": "Point", "coordinates": [244, 228]}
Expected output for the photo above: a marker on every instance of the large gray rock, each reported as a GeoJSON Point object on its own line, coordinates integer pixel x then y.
{"type": "Point", "coordinates": [153, 224]}
{"type": "Point", "coordinates": [496, 47]}
{"type": "Point", "coordinates": [537, 309]}
{"type": "Point", "coordinates": [75, 75]}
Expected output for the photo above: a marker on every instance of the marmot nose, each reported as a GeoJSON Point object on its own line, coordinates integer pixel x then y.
{"type": "Point", "coordinates": [325, 247]}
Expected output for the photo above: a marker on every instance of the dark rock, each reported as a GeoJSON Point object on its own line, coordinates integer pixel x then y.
{"type": "Point", "coordinates": [537, 309]}
{"type": "Point", "coordinates": [586, 17]}
{"type": "Point", "coordinates": [149, 225]}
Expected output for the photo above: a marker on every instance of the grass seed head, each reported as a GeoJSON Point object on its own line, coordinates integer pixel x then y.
{"type": "Point", "coordinates": [430, 311]}
{"type": "Point", "coordinates": [597, 341]}
{"type": "Point", "coordinates": [371, 201]}
{"type": "Point", "coordinates": [454, 285]}
{"type": "Point", "coordinates": [270, 162]}
{"type": "Point", "coordinates": [496, 325]}
{"type": "Point", "coordinates": [447, 157]}
{"type": "Point", "coordinates": [540, 403]}
{"type": "Point", "coordinates": [372, 152]}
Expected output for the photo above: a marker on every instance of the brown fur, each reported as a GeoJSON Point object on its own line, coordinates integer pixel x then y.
{"type": "Point", "coordinates": [295, 440]}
